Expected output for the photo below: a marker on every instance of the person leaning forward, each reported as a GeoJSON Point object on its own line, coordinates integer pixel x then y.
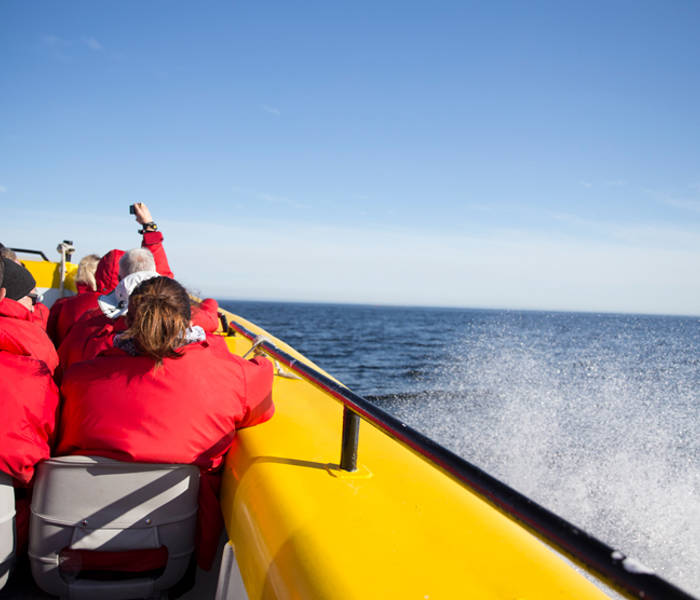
{"type": "Point", "coordinates": [28, 394]}
{"type": "Point", "coordinates": [163, 393]}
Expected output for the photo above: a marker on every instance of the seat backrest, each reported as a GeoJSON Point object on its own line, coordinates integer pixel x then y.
{"type": "Point", "coordinates": [8, 537]}
{"type": "Point", "coordinates": [85, 504]}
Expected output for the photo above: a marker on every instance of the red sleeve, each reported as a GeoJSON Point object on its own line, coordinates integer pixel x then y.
{"type": "Point", "coordinates": [30, 401]}
{"type": "Point", "coordinates": [206, 315]}
{"type": "Point", "coordinates": [218, 345]}
{"type": "Point", "coordinates": [54, 317]}
{"type": "Point", "coordinates": [87, 338]}
{"type": "Point", "coordinates": [153, 240]}
{"type": "Point", "coordinates": [258, 373]}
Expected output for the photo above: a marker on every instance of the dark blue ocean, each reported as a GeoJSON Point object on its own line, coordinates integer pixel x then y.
{"type": "Point", "coordinates": [595, 416]}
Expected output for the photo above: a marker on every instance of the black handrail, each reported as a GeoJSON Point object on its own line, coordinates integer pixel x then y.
{"type": "Point", "coordinates": [610, 565]}
{"type": "Point", "coordinates": [26, 251]}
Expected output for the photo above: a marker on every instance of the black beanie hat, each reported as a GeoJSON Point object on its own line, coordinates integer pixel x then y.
{"type": "Point", "coordinates": [17, 281]}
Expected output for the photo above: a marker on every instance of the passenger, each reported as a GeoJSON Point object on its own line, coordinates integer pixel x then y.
{"type": "Point", "coordinates": [17, 327]}
{"type": "Point", "coordinates": [85, 277]}
{"type": "Point", "coordinates": [65, 311]}
{"type": "Point", "coordinates": [28, 394]}
{"type": "Point", "coordinates": [6, 252]}
{"type": "Point", "coordinates": [107, 274]}
{"type": "Point", "coordinates": [40, 313]}
{"type": "Point", "coordinates": [95, 331]}
{"type": "Point", "coordinates": [161, 394]}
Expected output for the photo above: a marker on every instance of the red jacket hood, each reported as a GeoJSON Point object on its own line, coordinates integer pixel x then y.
{"type": "Point", "coordinates": [107, 273]}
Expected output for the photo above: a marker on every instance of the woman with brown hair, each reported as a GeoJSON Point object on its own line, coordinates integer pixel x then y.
{"type": "Point", "coordinates": [162, 394]}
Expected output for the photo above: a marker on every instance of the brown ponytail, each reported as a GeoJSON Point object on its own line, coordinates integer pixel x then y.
{"type": "Point", "coordinates": [159, 314]}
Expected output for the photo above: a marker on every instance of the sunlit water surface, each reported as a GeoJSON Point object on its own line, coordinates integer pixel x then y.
{"type": "Point", "coordinates": [595, 416]}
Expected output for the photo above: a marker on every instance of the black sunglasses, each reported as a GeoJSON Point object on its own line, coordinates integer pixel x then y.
{"type": "Point", "coordinates": [35, 298]}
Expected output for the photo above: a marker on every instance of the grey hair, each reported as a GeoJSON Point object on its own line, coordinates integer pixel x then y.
{"type": "Point", "coordinates": [86, 271]}
{"type": "Point", "coordinates": [138, 259]}
{"type": "Point", "coordinates": [6, 252]}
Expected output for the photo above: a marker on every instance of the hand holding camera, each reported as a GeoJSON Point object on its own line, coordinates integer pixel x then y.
{"type": "Point", "coordinates": [140, 210]}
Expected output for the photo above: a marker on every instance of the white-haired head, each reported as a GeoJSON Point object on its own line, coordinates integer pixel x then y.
{"type": "Point", "coordinates": [138, 259]}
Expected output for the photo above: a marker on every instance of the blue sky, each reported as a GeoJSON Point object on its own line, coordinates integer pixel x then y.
{"type": "Point", "coordinates": [539, 155]}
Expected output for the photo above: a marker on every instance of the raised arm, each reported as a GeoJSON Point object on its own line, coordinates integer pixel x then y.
{"type": "Point", "coordinates": [152, 239]}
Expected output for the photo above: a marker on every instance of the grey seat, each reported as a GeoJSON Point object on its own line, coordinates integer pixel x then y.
{"type": "Point", "coordinates": [8, 536]}
{"type": "Point", "coordinates": [94, 504]}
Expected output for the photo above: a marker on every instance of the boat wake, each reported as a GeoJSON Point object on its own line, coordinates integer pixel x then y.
{"type": "Point", "coordinates": [609, 446]}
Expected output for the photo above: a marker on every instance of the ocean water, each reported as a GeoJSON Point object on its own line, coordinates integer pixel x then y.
{"type": "Point", "coordinates": [595, 416]}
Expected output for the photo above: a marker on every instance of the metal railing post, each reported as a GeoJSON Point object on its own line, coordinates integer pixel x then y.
{"type": "Point", "coordinates": [351, 433]}
{"type": "Point", "coordinates": [65, 249]}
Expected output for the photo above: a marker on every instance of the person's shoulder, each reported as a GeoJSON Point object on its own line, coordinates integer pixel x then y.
{"type": "Point", "coordinates": [23, 365]}
{"type": "Point", "coordinates": [14, 310]}
{"type": "Point", "coordinates": [61, 302]}
{"type": "Point", "coordinates": [212, 356]}
{"type": "Point", "coordinates": [28, 332]}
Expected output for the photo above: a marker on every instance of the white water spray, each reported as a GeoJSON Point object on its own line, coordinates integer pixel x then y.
{"type": "Point", "coordinates": [612, 448]}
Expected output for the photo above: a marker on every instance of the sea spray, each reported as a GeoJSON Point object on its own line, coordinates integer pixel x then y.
{"type": "Point", "coordinates": [589, 431]}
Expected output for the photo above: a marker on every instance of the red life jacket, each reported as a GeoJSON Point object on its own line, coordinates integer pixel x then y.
{"type": "Point", "coordinates": [186, 411]}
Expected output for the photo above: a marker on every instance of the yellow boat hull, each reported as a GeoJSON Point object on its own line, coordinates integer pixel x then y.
{"type": "Point", "coordinates": [398, 527]}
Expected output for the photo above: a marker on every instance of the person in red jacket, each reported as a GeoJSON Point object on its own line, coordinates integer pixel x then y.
{"type": "Point", "coordinates": [18, 330]}
{"type": "Point", "coordinates": [163, 394]}
{"type": "Point", "coordinates": [94, 333]}
{"type": "Point", "coordinates": [66, 312]}
{"type": "Point", "coordinates": [28, 394]}
{"type": "Point", "coordinates": [40, 312]}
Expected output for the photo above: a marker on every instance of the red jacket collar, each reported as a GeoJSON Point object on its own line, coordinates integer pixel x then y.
{"type": "Point", "coordinates": [14, 310]}
{"type": "Point", "coordinates": [83, 288]}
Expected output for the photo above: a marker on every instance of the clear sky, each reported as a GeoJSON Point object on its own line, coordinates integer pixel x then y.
{"type": "Point", "coordinates": [541, 155]}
